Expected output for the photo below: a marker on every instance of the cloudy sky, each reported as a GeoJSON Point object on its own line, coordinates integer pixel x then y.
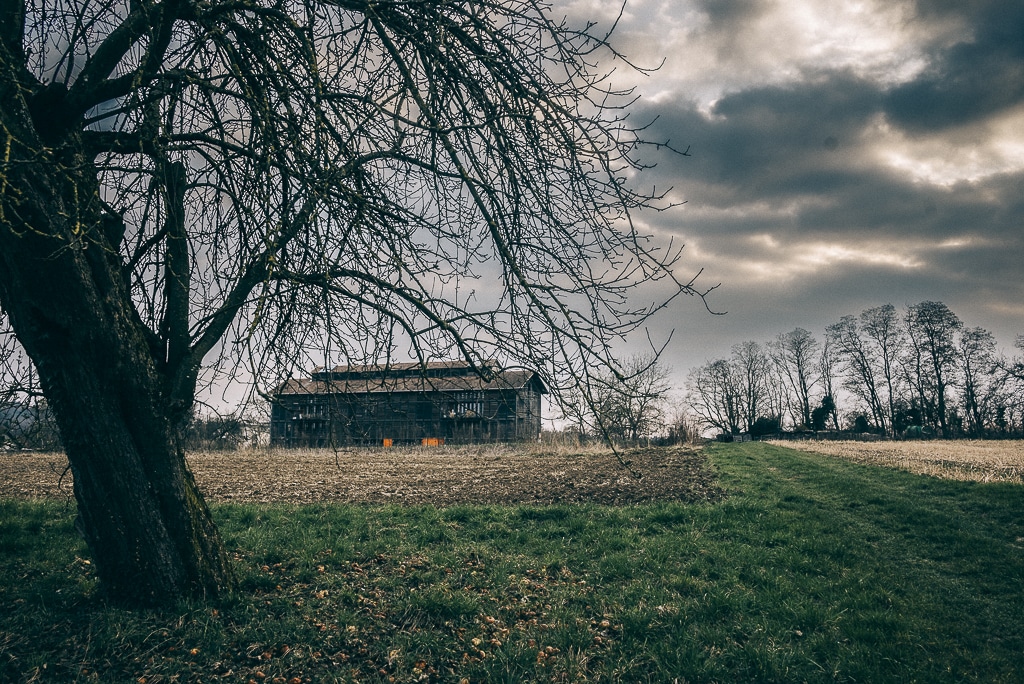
{"type": "Point", "coordinates": [843, 154]}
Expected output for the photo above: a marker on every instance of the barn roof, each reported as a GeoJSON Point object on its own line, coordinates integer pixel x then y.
{"type": "Point", "coordinates": [446, 376]}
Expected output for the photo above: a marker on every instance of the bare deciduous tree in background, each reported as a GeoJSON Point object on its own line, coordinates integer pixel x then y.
{"type": "Point", "coordinates": [1009, 388]}
{"type": "Point", "coordinates": [828, 363]}
{"type": "Point", "coordinates": [715, 394]}
{"type": "Point", "coordinates": [1013, 369]}
{"type": "Point", "coordinates": [976, 349]}
{"type": "Point", "coordinates": [796, 357]}
{"type": "Point", "coordinates": [631, 406]}
{"type": "Point", "coordinates": [188, 182]}
{"type": "Point", "coordinates": [887, 337]}
{"type": "Point", "coordinates": [858, 365]}
{"type": "Point", "coordinates": [753, 367]}
{"type": "Point", "coordinates": [738, 394]}
{"type": "Point", "coordinates": [932, 361]}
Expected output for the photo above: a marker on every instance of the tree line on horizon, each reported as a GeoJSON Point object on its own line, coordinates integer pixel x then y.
{"type": "Point", "coordinates": [919, 372]}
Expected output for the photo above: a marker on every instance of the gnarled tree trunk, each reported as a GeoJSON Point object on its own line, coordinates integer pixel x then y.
{"type": "Point", "coordinates": [61, 283]}
{"type": "Point", "coordinates": [145, 521]}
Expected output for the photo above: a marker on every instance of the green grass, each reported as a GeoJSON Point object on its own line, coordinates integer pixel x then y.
{"type": "Point", "coordinates": [812, 569]}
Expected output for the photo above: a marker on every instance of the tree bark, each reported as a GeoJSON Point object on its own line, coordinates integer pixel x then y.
{"type": "Point", "coordinates": [145, 521]}
{"type": "Point", "coordinates": [62, 285]}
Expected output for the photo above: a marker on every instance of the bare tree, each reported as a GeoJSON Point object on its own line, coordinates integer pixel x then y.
{"type": "Point", "coordinates": [932, 330]}
{"type": "Point", "coordinates": [796, 356]}
{"type": "Point", "coordinates": [828, 364]}
{"type": "Point", "coordinates": [977, 359]}
{"type": "Point", "coordinates": [777, 402]}
{"type": "Point", "coordinates": [631, 405]}
{"type": "Point", "coordinates": [184, 181]}
{"type": "Point", "coordinates": [733, 395]}
{"type": "Point", "coordinates": [886, 336]}
{"type": "Point", "coordinates": [1009, 392]}
{"type": "Point", "coordinates": [753, 370]}
{"type": "Point", "coordinates": [858, 365]}
{"type": "Point", "coordinates": [1014, 368]}
{"type": "Point", "coordinates": [715, 394]}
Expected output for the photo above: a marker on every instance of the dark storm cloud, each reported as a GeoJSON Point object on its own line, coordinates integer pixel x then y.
{"type": "Point", "coordinates": [812, 148]}
{"type": "Point", "coordinates": [735, 12]}
{"type": "Point", "coordinates": [981, 75]}
{"type": "Point", "coordinates": [771, 142]}
{"type": "Point", "coordinates": [801, 151]}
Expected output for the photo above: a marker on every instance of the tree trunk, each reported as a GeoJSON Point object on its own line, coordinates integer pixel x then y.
{"type": "Point", "coordinates": [63, 286]}
{"type": "Point", "coordinates": [145, 521]}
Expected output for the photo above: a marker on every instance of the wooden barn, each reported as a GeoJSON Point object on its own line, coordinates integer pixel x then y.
{"type": "Point", "coordinates": [442, 403]}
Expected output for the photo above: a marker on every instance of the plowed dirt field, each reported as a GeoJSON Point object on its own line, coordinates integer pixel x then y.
{"type": "Point", "coordinates": [440, 476]}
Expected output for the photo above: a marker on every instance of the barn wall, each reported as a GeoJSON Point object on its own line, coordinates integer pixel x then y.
{"type": "Point", "coordinates": [322, 420]}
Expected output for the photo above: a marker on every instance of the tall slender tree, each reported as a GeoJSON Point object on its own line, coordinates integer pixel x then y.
{"type": "Point", "coordinates": [715, 395]}
{"type": "Point", "coordinates": [885, 334]}
{"type": "Point", "coordinates": [977, 359]}
{"type": "Point", "coordinates": [796, 356]}
{"type": "Point", "coordinates": [753, 369]}
{"type": "Point", "coordinates": [829, 364]}
{"type": "Point", "coordinates": [858, 366]}
{"type": "Point", "coordinates": [183, 179]}
{"type": "Point", "coordinates": [932, 328]}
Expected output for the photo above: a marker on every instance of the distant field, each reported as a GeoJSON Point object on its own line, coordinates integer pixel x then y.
{"type": "Point", "coordinates": [990, 461]}
{"type": "Point", "coordinates": [442, 476]}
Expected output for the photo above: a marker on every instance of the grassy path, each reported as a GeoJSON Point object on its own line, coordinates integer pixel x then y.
{"type": "Point", "coordinates": [811, 569]}
{"type": "Point", "coordinates": [897, 576]}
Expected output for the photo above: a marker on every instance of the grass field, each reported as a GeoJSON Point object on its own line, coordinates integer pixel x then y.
{"type": "Point", "coordinates": [810, 568]}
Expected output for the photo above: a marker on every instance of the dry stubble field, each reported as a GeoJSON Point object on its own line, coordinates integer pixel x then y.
{"type": "Point", "coordinates": [980, 461]}
{"type": "Point", "coordinates": [440, 476]}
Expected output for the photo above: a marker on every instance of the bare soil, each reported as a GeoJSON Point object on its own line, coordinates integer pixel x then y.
{"type": "Point", "coordinates": [439, 476]}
